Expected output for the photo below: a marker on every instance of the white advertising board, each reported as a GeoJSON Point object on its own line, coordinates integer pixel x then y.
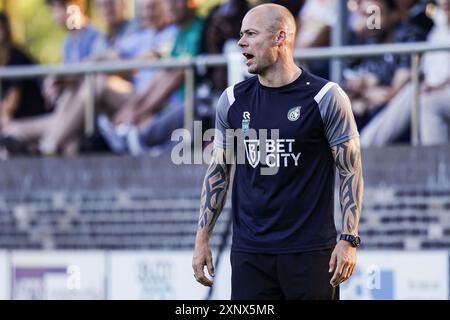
{"type": "Point", "coordinates": [54, 275]}
{"type": "Point", "coordinates": [5, 283]}
{"type": "Point", "coordinates": [158, 275]}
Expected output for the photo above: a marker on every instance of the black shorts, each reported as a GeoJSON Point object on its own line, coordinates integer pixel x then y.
{"type": "Point", "coordinates": [282, 276]}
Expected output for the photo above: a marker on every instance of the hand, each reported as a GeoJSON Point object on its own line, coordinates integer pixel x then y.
{"type": "Point", "coordinates": [104, 56]}
{"type": "Point", "coordinates": [430, 89]}
{"type": "Point", "coordinates": [202, 257]}
{"type": "Point", "coordinates": [126, 114]}
{"type": "Point", "coordinates": [5, 118]}
{"type": "Point", "coordinates": [376, 96]}
{"type": "Point", "coordinates": [342, 262]}
{"type": "Point", "coordinates": [354, 84]}
{"type": "Point", "coordinates": [50, 90]}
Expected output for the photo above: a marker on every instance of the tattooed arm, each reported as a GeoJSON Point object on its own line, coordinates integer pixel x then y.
{"type": "Point", "coordinates": [347, 157]}
{"type": "Point", "coordinates": [348, 161]}
{"type": "Point", "coordinates": [214, 194]}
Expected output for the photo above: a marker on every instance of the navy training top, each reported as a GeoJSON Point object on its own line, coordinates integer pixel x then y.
{"type": "Point", "coordinates": [283, 187]}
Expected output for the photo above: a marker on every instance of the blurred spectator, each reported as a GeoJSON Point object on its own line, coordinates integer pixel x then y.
{"type": "Point", "coordinates": [153, 40]}
{"type": "Point", "coordinates": [222, 25]}
{"type": "Point", "coordinates": [151, 116]}
{"type": "Point", "coordinates": [435, 104]}
{"type": "Point", "coordinates": [62, 130]}
{"type": "Point", "coordinates": [117, 29]}
{"type": "Point", "coordinates": [315, 21]}
{"type": "Point", "coordinates": [394, 120]}
{"type": "Point", "coordinates": [374, 74]}
{"type": "Point", "coordinates": [378, 80]}
{"type": "Point", "coordinates": [77, 45]}
{"type": "Point", "coordinates": [20, 98]}
{"type": "Point", "coordinates": [388, 125]}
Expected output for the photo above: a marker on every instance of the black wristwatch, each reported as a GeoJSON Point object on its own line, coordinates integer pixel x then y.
{"type": "Point", "coordinates": [354, 240]}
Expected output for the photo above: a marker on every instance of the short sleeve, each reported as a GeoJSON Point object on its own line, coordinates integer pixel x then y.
{"type": "Point", "coordinates": [337, 116]}
{"type": "Point", "coordinates": [222, 123]}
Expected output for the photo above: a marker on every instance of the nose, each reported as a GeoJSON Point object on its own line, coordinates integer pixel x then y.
{"type": "Point", "coordinates": [242, 43]}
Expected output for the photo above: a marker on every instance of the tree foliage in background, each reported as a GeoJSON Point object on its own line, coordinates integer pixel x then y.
{"type": "Point", "coordinates": [33, 28]}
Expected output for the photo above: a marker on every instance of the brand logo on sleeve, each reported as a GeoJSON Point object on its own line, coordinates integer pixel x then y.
{"type": "Point", "coordinates": [294, 113]}
{"type": "Point", "coordinates": [245, 121]}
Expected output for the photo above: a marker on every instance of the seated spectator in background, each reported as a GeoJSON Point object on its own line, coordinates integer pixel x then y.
{"type": "Point", "coordinates": [77, 45]}
{"type": "Point", "coordinates": [222, 26]}
{"type": "Point", "coordinates": [368, 79]}
{"type": "Point", "coordinates": [20, 97]}
{"type": "Point", "coordinates": [388, 125]}
{"type": "Point", "coordinates": [46, 133]}
{"type": "Point", "coordinates": [315, 21]}
{"type": "Point", "coordinates": [414, 19]}
{"type": "Point", "coordinates": [376, 81]}
{"type": "Point", "coordinates": [62, 131]}
{"type": "Point", "coordinates": [435, 103]}
{"type": "Point", "coordinates": [150, 117]}
{"type": "Point", "coordinates": [118, 29]}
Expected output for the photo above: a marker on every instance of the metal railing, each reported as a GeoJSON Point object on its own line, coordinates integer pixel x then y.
{"type": "Point", "coordinates": [88, 69]}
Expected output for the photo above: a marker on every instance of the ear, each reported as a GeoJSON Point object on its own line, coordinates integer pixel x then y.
{"type": "Point", "coordinates": [281, 37]}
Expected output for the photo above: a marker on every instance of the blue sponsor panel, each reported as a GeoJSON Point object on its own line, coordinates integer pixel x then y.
{"type": "Point", "coordinates": [373, 284]}
{"type": "Point", "coordinates": [399, 275]}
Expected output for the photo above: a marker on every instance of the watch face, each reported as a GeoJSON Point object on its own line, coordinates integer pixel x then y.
{"type": "Point", "coordinates": [354, 240]}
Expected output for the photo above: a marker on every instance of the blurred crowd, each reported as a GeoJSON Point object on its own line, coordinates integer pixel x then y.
{"type": "Point", "coordinates": [137, 111]}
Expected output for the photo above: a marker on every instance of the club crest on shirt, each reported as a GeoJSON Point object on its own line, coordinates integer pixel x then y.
{"type": "Point", "coordinates": [245, 121]}
{"type": "Point", "coordinates": [252, 152]}
{"type": "Point", "coordinates": [294, 113]}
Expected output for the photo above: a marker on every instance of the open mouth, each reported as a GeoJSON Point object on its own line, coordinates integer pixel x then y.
{"type": "Point", "coordinates": [249, 57]}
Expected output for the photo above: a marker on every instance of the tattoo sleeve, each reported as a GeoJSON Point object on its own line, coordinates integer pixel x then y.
{"type": "Point", "coordinates": [347, 157]}
{"type": "Point", "coordinates": [214, 191]}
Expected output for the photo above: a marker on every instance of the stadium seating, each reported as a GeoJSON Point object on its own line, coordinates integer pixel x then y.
{"type": "Point", "coordinates": [149, 203]}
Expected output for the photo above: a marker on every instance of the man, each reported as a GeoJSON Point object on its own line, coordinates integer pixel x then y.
{"type": "Point", "coordinates": [77, 46]}
{"type": "Point", "coordinates": [283, 225]}
{"type": "Point", "coordinates": [122, 41]}
{"type": "Point", "coordinates": [385, 95]}
{"type": "Point", "coordinates": [389, 125]}
{"type": "Point", "coordinates": [153, 114]}
{"type": "Point", "coordinates": [435, 100]}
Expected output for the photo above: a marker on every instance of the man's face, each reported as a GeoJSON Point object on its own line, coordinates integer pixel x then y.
{"type": "Point", "coordinates": [59, 13]}
{"type": "Point", "coordinates": [258, 43]}
{"type": "Point", "coordinates": [178, 10]}
{"type": "Point", "coordinates": [151, 12]}
{"type": "Point", "coordinates": [110, 10]}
